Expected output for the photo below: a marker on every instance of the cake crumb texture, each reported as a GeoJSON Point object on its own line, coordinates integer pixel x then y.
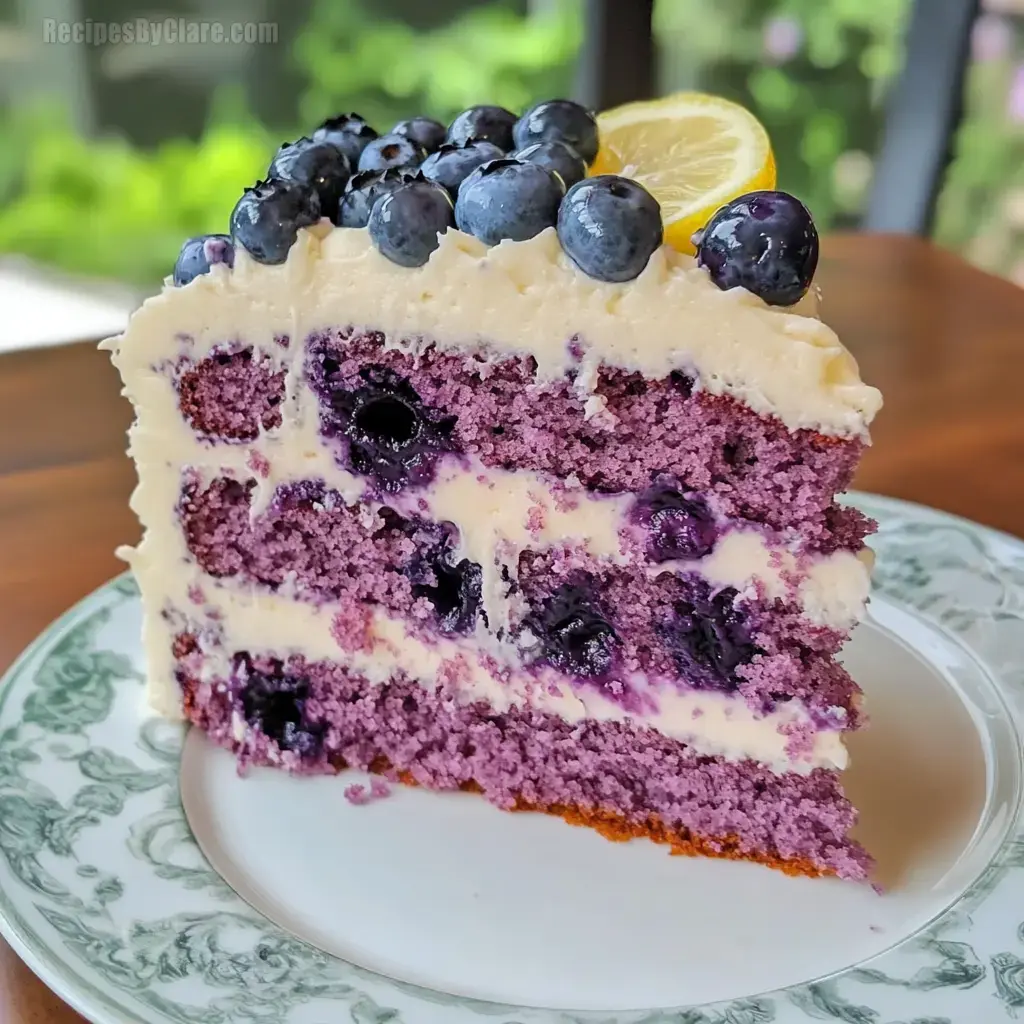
{"type": "Point", "coordinates": [320, 717]}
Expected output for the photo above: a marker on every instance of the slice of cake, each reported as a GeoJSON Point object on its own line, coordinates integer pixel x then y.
{"type": "Point", "coordinates": [457, 475]}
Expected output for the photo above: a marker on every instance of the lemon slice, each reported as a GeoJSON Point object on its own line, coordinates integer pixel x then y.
{"type": "Point", "coordinates": [693, 152]}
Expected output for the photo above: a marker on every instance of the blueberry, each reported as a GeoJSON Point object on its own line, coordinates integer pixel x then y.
{"type": "Point", "coordinates": [320, 166]}
{"type": "Point", "coordinates": [491, 123]}
{"type": "Point", "coordinates": [266, 220]}
{"type": "Point", "coordinates": [406, 223]}
{"type": "Point", "coordinates": [574, 637]}
{"type": "Point", "coordinates": [424, 131]}
{"type": "Point", "coordinates": [275, 703]}
{"type": "Point", "coordinates": [558, 121]}
{"type": "Point", "coordinates": [199, 254]}
{"type": "Point", "coordinates": [507, 199]}
{"type": "Point", "coordinates": [451, 164]}
{"type": "Point", "coordinates": [557, 157]}
{"type": "Point", "coordinates": [364, 189]}
{"type": "Point", "coordinates": [709, 639]}
{"type": "Point", "coordinates": [677, 526]}
{"type": "Point", "coordinates": [765, 242]}
{"type": "Point", "coordinates": [610, 226]}
{"type": "Point", "coordinates": [391, 152]}
{"type": "Point", "coordinates": [349, 132]}
{"type": "Point", "coordinates": [452, 588]}
{"type": "Point", "coordinates": [392, 435]}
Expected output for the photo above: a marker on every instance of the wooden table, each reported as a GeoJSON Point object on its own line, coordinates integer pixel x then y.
{"type": "Point", "coordinates": [943, 341]}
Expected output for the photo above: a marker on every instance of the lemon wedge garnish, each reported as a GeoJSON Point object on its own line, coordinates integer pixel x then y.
{"type": "Point", "coordinates": [693, 152]}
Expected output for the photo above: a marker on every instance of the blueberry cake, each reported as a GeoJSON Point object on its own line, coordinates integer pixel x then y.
{"type": "Point", "coordinates": [450, 470]}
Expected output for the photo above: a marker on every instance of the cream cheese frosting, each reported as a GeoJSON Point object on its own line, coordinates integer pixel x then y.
{"type": "Point", "coordinates": [525, 298]}
{"type": "Point", "coordinates": [832, 589]}
{"type": "Point", "coordinates": [497, 513]}
{"type": "Point", "coordinates": [714, 724]}
{"type": "Point", "coordinates": [255, 619]}
{"type": "Point", "coordinates": [252, 618]}
{"type": "Point", "coordinates": [517, 298]}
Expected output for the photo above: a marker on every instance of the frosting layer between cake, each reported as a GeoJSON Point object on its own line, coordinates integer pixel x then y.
{"type": "Point", "coordinates": [497, 513]}
{"type": "Point", "coordinates": [473, 668]}
{"type": "Point", "coordinates": [179, 597]}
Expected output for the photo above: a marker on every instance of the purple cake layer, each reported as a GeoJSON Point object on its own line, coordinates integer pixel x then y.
{"type": "Point", "coordinates": [231, 396]}
{"type": "Point", "coordinates": [668, 626]}
{"type": "Point", "coordinates": [757, 469]}
{"type": "Point", "coordinates": [319, 717]}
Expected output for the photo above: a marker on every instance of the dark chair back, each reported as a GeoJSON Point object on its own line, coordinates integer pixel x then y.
{"type": "Point", "coordinates": [922, 116]}
{"type": "Point", "coordinates": [617, 62]}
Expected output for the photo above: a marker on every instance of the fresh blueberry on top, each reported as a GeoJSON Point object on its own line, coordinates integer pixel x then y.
{"type": "Point", "coordinates": [266, 220]}
{"type": "Point", "coordinates": [349, 132]}
{"type": "Point", "coordinates": [574, 636]}
{"type": "Point", "coordinates": [199, 254]}
{"type": "Point", "coordinates": [609, 226]}
{"type": "Point", "coordinates": [392, 435]}
{"type": "Point", "coordinates": [557, 157]}
{"type": "Point", "coordinates": [710, 640]}
{"type": "Point", "coordinates": [558, 121]}
{"type": "Point", "coordinates": [765, 242]}
{"type": "Point", "coordinates": [391, 153]}
{"type": "Point", "coordinates": [485, 122]}
{"type": "Point", "coordinates": [424, 131]}
{"type": "Point", "coordinates": [453, 588]}
{"type": "Point", "coordinates": [406, 223]}
{"type": "Point", "coordinates": [507, 199]}
{"type": "Point", "coordinates": [451, 164]}
{"type": "Point", "coordinates": [320, 166]}
{"type": "Point", "coordinates": [678, 527]}
{"type": "Point", "coordinates": [364, 189]}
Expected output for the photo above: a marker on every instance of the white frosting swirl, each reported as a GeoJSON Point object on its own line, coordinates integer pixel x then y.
{"type": "Point", "coordinates": [528, 298]}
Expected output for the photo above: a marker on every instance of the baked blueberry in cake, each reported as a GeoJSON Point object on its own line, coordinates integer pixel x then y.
{"type": "Point", "coordinates": [451, 470]}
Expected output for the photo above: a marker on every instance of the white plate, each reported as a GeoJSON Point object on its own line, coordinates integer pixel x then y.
{"type": "Point", "coordinates": [438, 909]}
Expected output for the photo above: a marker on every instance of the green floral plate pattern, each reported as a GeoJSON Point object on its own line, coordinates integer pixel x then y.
{"type": "Point", "coordinates": [105, 894]}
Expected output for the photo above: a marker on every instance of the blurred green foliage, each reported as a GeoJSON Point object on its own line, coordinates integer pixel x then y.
{"type": "Point", "coordinates": [981, 209]}
{"type": "Point", "coordinates": [816, 72]}
{"type": "Point", "coordinates": [388, 71]}
{"type": "Point", "coordinates": [101, 207]}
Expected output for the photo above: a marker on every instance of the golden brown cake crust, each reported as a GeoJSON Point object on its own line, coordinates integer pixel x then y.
{"type": "Point", "coordinates": [682, 842]}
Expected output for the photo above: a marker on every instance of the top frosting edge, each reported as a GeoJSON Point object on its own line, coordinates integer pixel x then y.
{"type": "Point", "coordinates": [529, 298]}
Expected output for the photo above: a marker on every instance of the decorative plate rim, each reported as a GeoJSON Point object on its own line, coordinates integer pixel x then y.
{"type": "Point", "coordinates": [958, 969]}
{"type": "Point", "coordinates": [40, 958]}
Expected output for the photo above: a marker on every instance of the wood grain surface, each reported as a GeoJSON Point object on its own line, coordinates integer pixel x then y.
{"type": "Point", "coordinates": [943, 341]}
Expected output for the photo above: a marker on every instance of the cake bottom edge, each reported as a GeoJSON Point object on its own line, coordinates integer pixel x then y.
{"type": "Point", "coordinates": [619, 829]}
{"type": "Point", "coordinates": [621, 780]}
